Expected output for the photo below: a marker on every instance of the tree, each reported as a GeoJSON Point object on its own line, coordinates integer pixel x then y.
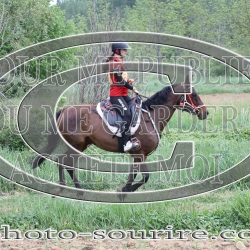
{"type": "Point", "coordinates": [153, 16]}
{"type": "Point", "coordinates": [100, 16]}
{"type": "Point", "coordinates": [74, 8]}
{"type": "Point", "coordinates": [239, 26]}
{"type": "Point", "coordinates": [26, 22]}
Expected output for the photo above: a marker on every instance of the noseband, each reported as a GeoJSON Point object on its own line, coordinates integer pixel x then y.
{"type": "Point", "coordinates": [187, 104]}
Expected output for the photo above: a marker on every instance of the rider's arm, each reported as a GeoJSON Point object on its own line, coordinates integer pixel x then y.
{"type": "Point", "coordinates": [116, 74]}
{"type": "Point", "coordinates": [122, 82]}
{"type": "Point", "coordinates": [125, 83]}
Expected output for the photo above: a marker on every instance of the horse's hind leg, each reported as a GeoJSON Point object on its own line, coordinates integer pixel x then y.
{"type": "Point", "coordinates": [69, 159]}
{"type": "Point", "coordinates": [58, 190]}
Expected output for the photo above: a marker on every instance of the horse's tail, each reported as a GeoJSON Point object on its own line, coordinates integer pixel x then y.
{"type": "Point", "coordinates": [52, 143]}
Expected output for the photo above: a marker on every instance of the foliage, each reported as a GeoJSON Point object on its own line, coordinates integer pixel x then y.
{"type": "Point", "coordinates": [239, 28]}
{"type": "Point", "coordinates": [28, 22]}
{"type": "Point", "coordinates": [241, 208]}
{"type": "Point", "coordinates": [10, 140]}
{"type": "Point", "coordinates": [9, 135]}
{"type": "Point", "coordinates": [222, 23]}
{"type": "Point", "coordinates": [7, 187]}
{"type": "Point", "coordinates": [75, 8]}
{"type": "Point", "coordinates": [16, 85]}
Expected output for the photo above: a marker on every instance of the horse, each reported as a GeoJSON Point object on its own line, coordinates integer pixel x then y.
{"type": "Point", "coordinates": [160, 108]}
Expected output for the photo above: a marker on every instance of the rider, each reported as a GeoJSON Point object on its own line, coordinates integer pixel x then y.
{"type": "Point", "coordinates": [120, 84]}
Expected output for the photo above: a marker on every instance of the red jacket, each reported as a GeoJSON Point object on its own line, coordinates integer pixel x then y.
{"type": "Point", "coordinates": [116, 64]}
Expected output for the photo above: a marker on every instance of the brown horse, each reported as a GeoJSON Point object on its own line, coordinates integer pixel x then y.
{"type": "Point", "coordinates": [80, 135]}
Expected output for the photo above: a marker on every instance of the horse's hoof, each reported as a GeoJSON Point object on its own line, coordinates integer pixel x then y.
{"type": "Point", "coordinates": [80, 193]}
{"type": "Point", "coordinates": [56, 191]}
{"type": "Point", "coordinates": [127, 189]}
{"type": "Point", "coordinates": [121, 196]}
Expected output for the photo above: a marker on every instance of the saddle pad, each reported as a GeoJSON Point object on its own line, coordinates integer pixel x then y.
{"type": "Point", "coordinates": [113, 120]}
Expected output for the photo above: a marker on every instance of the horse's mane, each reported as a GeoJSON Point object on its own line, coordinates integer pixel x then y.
{"type": "Point", "coordinates": [158, 98]}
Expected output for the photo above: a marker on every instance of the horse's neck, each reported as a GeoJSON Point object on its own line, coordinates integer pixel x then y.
{"type": "Point", "coordinates": [161, 116]}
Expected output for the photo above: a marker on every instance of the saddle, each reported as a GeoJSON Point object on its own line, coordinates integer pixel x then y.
{"type": "Point", "coordinates": [114, 120]}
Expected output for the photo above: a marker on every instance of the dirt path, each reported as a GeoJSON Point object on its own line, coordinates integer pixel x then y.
{"type": "Point", "coordinates": [82, 244]}
{"type": "Point", "coordinates": [224, 99]}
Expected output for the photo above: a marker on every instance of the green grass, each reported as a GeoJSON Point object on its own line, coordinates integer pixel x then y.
{"type": "Point", "coordinates": [212, 212]}
{"type": "Point", "coordinates": [218, 210]}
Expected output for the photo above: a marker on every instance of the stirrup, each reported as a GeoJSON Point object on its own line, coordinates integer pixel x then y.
{"type": "Point", "coordinates": [133, 145]}
{"type": "Point", "coordinates": [136, 143]}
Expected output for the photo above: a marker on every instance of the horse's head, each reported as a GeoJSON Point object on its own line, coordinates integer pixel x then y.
{"type": "Point", "coordinates": [193, 104]}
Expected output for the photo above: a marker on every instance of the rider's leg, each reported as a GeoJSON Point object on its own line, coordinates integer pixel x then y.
{"type": "Point", "coordinates": [122, 107]}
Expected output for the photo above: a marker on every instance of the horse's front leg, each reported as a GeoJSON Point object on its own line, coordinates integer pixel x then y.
{"type": "Point", "coordinates": [131, 178]}
{"type": "Point", "coordinates": [61, 175]}
{"type": "Point", "coordinates": [135, 168]}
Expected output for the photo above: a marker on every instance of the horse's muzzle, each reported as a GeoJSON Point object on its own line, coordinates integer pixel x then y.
{"type": "Point", "coordinates": [202, 115]}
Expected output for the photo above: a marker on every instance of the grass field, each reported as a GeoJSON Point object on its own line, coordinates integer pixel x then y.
{"type": "Point", "coordinates": [212, 212]}
{"type": "Point", "coordinates": [225, 133]}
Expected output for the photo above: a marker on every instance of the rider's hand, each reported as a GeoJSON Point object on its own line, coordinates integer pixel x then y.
{"type": "Point", "coordinates": [136, 91]}
{"type": "Point", "coordinates": [131, 81]}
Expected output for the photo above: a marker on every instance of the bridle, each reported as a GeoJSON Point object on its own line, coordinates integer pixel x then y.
{"type": "Point", "coordinates": [187, 104]}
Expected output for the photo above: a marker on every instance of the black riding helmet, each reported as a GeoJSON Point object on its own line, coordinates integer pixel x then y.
{"type": "Point", "coordinates": [118, 45]}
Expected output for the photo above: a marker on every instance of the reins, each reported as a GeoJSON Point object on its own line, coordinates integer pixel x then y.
{"type": "Point", "coordinates": [188, 104]}
{"type": "Point", "coordinates": [152, 121]}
